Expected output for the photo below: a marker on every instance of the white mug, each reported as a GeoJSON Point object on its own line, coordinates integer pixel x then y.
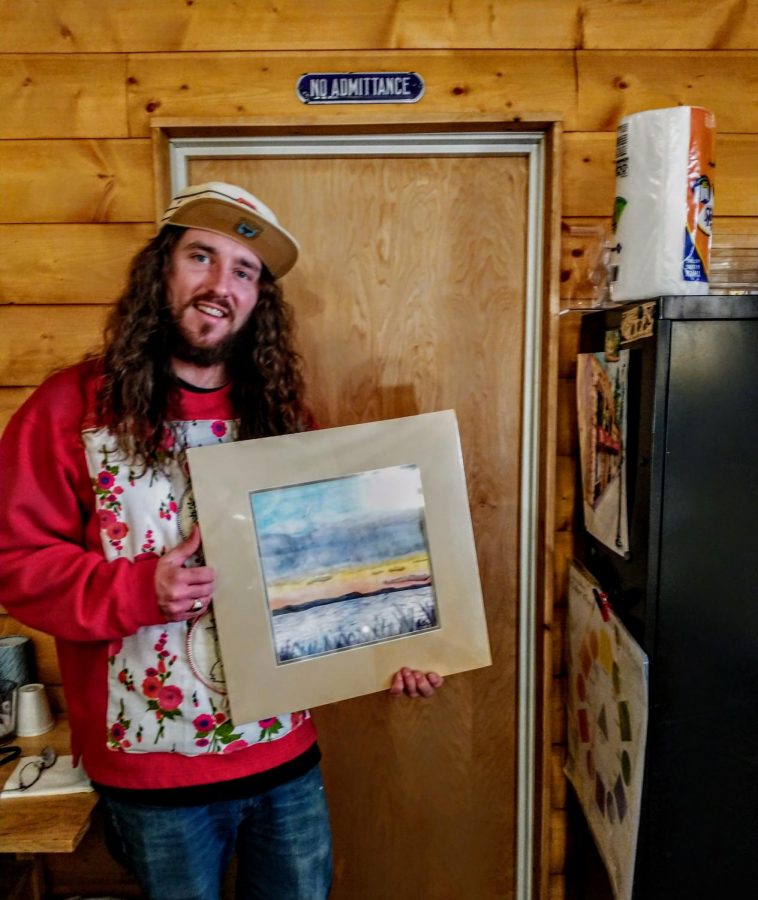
{"type": "Point", "coordinates": [33, 715]}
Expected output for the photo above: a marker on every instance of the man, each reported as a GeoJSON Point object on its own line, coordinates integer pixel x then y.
{"type": "Point", "coordinates": [97, 547]}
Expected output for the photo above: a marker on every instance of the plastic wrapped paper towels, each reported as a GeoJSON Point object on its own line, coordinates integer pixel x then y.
{"type": "Point", "coordinates": [664, 203]}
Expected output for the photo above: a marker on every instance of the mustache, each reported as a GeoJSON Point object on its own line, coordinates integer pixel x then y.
{"type": "Point", "coordinates": [209, 297]}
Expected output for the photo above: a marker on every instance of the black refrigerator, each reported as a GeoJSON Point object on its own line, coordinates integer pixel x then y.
{"type": "Point", "coordinates": [688, 588]}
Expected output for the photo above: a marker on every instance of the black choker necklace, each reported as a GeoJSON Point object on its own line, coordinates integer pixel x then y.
{"type": "Point", "coordinates": [194, 388]}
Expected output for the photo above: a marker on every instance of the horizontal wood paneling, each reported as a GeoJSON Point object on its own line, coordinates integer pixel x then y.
{"type": "Point", "coordinates": [34, 340]}
{"type": "Point", "coordinates": [47, 97]}
{"type": "Point", "coordinates": [10, 400]}
{"type": "Point", "coordinates": [67, 263]}
{"type": "Point", "coordinates": [76, 181]}
{"type": "Point", "coordinates": [669, 24]}
{"type": "Point", "coordinates": [612, 84]}
{"type": "Point", "coordinates": [86, 98]}
{"type": "Point", "coordinates": [589, 174]}
{"type": "Point", "coordinates": [68, 26]}
{"type": "Point", "coordinates": [241, 84]}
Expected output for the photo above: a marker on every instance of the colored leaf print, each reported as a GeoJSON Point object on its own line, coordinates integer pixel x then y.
{"type": "Point", "coordinates": [117, 731]}
{"type": "Point", "coordinates": [215, 730]}
{"type": "Point", "coordinates": [148, 545]}
{"type": "Point", "coordinates": [163, 699]}
{"type": "Point", "coordinates": [269, 727]}
{"type": "Point", "coordinates": [107, 494]}
{"type": "Point", "coordinates": [168, 507]}
{"type": "Point", "coordinates": [127, 679]}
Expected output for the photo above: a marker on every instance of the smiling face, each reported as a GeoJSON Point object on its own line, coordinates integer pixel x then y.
{"type": "Point", "coordinates": [212, 286]}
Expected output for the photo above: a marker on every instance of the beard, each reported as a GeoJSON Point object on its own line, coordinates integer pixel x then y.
{"type": "Point", "coordinates": [181, 345]}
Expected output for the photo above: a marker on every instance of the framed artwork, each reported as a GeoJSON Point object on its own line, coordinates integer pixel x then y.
{"type": "Point", "coordinates": [342, 555]}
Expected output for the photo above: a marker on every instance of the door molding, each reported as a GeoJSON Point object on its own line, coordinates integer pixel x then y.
{"type": "Point", "coordinates": [537, 435]}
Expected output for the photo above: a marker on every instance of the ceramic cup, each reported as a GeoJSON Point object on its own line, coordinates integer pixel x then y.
{"type": "Point", "coordinates": [33, 714]}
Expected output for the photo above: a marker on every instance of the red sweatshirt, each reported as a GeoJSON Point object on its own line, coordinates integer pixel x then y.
{"type": "Point", "coordinates": [80, 538]}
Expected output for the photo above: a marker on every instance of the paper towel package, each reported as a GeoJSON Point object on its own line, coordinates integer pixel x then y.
{"type": "Point", "coordinates": [664, 203]}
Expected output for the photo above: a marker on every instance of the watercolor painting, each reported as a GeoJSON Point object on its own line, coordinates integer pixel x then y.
{"type": "Point", "coordinates": [344, 554]}
{"type": "Point", "coordinates": [345, 561]}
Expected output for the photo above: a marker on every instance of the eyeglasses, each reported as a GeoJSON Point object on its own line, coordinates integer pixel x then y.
{"type": "Point", "coordinates": [31, 773]}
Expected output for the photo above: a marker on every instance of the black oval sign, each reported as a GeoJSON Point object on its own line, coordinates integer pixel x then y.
{"type": "Point", "coordinates": [360, 87]}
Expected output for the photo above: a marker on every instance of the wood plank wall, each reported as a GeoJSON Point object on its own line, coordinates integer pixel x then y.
{"type": "Point", "coordinates": [78, 92]}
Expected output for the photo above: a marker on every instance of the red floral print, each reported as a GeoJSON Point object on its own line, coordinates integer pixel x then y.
{"type": "Point", "coordinates": [107, 517]}
{"type": "Point", "coordinates": [269, 727]}
{"type": "Point", "coordinates": [105, 480]}
{"type": "Point", "coordinates": [151, 686]}
{"type": "Point", "coordinates": [235, 745]}
{"type": "Point", "coordinates": [169, 697]}
{"type": "Point", "coordinates": [215, 730]}
{"type": "Point", "coordinates": [117, 531]}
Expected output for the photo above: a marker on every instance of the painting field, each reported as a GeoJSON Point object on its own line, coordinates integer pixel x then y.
{"type": "Point", "coordinates": [345, 561]}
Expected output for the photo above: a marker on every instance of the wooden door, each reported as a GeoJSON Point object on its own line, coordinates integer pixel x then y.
{"type": "Point", "coordinates": [410, 294]}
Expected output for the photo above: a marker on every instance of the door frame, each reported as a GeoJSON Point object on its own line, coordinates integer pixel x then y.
{"type": "Point", "coordinates": [176, 142]}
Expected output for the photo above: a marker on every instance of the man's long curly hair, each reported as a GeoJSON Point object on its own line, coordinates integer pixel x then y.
{"type": "Point", "coordinates": [264, 368]}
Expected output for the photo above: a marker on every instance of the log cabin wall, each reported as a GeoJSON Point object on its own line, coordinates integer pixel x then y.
{"type": "Point", "coordinates": [80, 84]}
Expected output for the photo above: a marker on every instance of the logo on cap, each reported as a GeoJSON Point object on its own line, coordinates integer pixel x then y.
{"type": "Point", "coordinates": [247, 230]}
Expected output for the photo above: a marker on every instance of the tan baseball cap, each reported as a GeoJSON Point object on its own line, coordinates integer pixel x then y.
{"type": "Point", "coordinates": [235, 213]}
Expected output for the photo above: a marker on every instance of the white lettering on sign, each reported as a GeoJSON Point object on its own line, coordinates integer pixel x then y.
{"type": "Point", "coordinates": [361, 87]}
{"type": "Point", "coordinates": [317, 88]}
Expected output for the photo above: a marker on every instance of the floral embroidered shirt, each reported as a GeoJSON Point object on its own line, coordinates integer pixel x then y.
{"type": "Point", "coordinates": [80, 536]}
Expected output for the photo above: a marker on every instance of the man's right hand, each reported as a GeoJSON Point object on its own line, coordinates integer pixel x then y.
{"type": "Point", "coordinates": [182, 592]}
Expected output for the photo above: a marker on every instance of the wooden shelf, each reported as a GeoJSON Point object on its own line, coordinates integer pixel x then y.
{"type": "Point", "coordinates": [44, 824]}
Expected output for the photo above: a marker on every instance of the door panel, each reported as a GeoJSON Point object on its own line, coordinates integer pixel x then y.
{"type": "Point", "coordinates": [409, 294]}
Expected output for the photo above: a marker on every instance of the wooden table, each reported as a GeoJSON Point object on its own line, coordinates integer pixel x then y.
{"type": "Point", "coordinates": [30, 826]}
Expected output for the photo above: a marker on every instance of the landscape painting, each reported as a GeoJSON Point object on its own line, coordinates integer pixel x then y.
{"type": "Point", "coordinates": [345, 561]}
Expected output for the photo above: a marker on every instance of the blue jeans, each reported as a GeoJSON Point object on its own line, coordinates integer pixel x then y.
{"type": "Point", "coordinates": [282, 839]}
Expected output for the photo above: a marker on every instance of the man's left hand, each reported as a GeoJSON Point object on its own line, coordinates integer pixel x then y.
{"type": "Point", "coordinates": [412, 683]}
